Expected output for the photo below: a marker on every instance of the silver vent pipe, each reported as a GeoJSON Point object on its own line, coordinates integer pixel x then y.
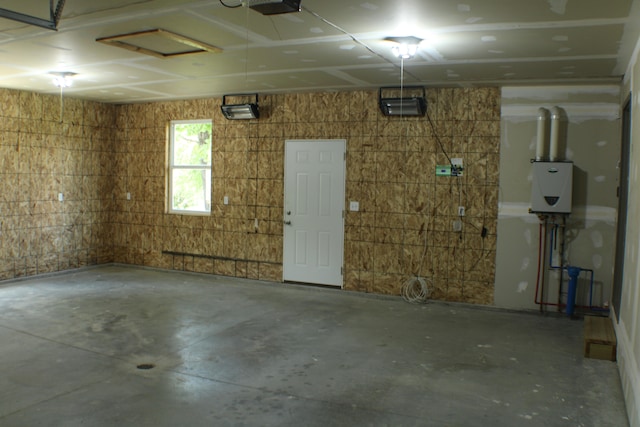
{"type": "Point", "coordinates": [541, 142]}
{"type": "Point", "coordinates": [554, 147]}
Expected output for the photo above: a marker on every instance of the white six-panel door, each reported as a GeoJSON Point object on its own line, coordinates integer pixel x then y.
{"type": "Point", "coordinates": [314, 183]}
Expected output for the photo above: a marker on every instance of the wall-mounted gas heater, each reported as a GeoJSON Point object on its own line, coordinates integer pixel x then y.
{"type": "Point", "coordinates": [552, 187]}
{"type": "Point", "coordinates": [552, 184]}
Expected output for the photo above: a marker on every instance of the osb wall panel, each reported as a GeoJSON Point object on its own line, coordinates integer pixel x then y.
{"type": "Point", "coordinates": [392, 174]}
{"type": "Point", "coordinates": [405, 222]}
{"type": "Point", "coordinates": [247, 168]}
{"type": "Point", "coordinates": [43, 154]}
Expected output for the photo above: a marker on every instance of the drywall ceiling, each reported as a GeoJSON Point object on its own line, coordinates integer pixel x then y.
{"type": "Point", "coordinates": [329, 45]}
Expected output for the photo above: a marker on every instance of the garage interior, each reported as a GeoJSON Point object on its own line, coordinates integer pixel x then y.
{"type": "Point", "coordinates": [229, 351]}
{"type": "Point", "coordinates": [101, 278]}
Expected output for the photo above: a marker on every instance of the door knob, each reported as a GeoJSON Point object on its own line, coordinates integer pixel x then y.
{"type": "Point", "coordinates": [287, 222]}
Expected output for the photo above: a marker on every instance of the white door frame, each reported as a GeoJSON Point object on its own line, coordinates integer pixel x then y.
{"type": "Point", "coordinates": [290, 271]}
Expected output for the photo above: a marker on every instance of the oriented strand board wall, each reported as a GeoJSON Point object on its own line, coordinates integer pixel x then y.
{"type": "Point", "coordinates": [390, 171]}
{"type": "Point", "coordinates": [40, 157]}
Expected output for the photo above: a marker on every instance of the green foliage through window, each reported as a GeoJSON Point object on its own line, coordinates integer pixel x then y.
{"type": "Point", "coordinates": [190, 166]}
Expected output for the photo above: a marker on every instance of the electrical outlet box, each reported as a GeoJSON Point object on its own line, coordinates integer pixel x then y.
{"type": "Point", "coordinates": [60, 197]}
{"type": "Point", "coordinates": [453, 169]}
{"type": "Point", "coordinates": [457, 225]}
{"type": "Point", "coordinates": [354, 206]}
{"type": "Point", "coordinates": [225, 200]}
{"type": "Point", "coordinates": [457, 166]}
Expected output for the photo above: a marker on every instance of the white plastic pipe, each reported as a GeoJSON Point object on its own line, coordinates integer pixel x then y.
{"type": "Point", "coordinates": [541, 142]}
{"type": "Point", "coordinates": [555, 134]}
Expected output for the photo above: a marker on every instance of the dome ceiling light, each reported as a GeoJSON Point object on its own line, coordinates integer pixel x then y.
{"type": "Point", "coordinates": [404, 47]}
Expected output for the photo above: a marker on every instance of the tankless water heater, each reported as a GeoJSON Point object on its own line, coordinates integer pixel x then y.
{"type": "Point", "coordinates": [552, 187]}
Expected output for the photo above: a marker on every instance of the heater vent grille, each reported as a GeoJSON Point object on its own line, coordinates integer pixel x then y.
{"type": "Point", "coordinates": [552, 200]}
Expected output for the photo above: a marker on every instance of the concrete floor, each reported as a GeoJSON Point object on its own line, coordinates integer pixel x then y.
{"type": "Point", "coordinates": [230, 352]}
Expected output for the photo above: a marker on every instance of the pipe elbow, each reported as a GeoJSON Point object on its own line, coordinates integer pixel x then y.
{"type": "Point", "coordinates": [543, 114]}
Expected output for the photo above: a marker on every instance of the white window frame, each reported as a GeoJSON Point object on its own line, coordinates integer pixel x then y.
{"type": "Point", "coordinates": [171, 167]}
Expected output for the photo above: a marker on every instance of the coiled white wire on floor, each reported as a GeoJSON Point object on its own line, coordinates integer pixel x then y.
{"type": "Point", "coordinates": [416, 290]}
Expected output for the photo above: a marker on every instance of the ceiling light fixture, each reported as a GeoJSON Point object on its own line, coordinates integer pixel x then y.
{"type": "Point", "coordinates": [62, 79]}
{"type": "Point", "coordinates": [404, 47]}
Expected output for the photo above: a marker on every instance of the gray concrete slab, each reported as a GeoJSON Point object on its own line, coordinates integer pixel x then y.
{"type": "Point", "coordinates": [233, 352]}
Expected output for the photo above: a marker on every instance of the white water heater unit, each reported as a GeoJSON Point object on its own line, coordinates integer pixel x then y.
{"type": "Point", "coordinates": [552, 187]}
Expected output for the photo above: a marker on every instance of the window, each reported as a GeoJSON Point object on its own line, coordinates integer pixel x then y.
{"type": "Point", "coordinates": [190, 167]}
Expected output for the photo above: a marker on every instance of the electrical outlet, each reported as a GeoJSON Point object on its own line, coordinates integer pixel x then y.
{"type": "Point", "coordinates": [457, 166]}
{"type": "Point", "coordinates": [460, 210]}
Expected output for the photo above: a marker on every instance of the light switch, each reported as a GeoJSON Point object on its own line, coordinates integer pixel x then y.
{"type": "Point", "coordinates": [225, 200]}
{"type": "Point", "coordinates": [128, 196]}
{"type": "Point", "coordinates": [60, 197]}
{"type": "Point", "coordinates": [354, 206]}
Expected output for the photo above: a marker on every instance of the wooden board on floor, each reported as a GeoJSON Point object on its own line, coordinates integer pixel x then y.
{"type": "Point", "coordinates": [599, 338]}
